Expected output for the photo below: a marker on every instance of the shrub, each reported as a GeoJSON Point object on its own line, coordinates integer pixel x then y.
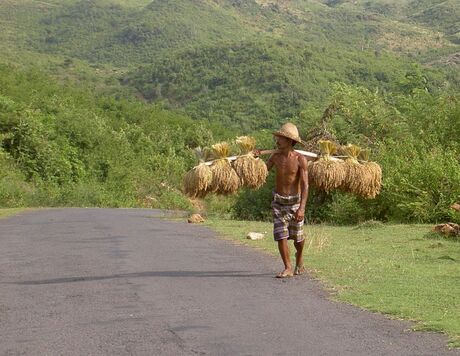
{"type": "Point", "coordinates": [255, 204]}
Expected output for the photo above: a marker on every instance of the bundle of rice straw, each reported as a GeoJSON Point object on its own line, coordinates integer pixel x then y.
{"type": "Point", "coordinates": [224, 178]}
{"type": "Point", "coordinates": [251, 170]}
{"type": "Point", "coordinates": [373, 182]}
{"type": "Point", "coordinates": [357, 176]}
{"type": "Point", "coordinates": [325, 173]}
{"type": "Point", "coordinates": [198, 180]}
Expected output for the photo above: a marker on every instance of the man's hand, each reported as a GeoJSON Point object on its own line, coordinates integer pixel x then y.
{"type": "Point", "coordinates": [256, 153]}
{"type": "Point", "coordinates": [299, 215]}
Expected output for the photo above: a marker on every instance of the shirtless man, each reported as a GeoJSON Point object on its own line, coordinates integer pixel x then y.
{"type": "Point", "coordinates": [289, 197]}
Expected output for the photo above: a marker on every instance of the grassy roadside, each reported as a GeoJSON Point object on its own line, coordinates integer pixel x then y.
{"type": "Point", "coordinates": [391, 269]}
{"type": "Point", "coordinates": [8, 212]}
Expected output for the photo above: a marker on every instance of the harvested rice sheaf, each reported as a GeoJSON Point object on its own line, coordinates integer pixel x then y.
{"type": "Point", "coordinates": [224, 178]}
{"type": "Point", "coordinates": [197, 181]}
{"type": "Point", "coordinates": [358, 178]}
{"type": "Point", "coordinates": [374, 183]}
{"type": "Point", "coordinates": [252, 171]}
{"type": "Point", "coordinates": [246, 143]}
{"type": "Point", "coordinates": [260, 172]}
{"type": "Point", "coordinates": [327, 174]}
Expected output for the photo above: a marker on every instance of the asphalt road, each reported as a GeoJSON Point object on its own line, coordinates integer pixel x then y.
{"type": "Point", "coordinates": [126, 282]}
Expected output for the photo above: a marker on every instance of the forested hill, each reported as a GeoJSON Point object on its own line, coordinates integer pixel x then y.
{"type": "Point", "coordinates": [248, 63]}
{"type": "Point", "coordinates": [101, 101]}
{"type": "Point", "coordinates": [135, 31]}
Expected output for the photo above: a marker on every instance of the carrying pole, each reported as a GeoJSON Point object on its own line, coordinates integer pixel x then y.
{"type": "Point", "coordinates": [310, 155]}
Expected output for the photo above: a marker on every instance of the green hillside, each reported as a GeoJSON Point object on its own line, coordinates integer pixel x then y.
{"type": "Point", "coordinates": [102, 32]}
{"type": "Point", "coordinates": [258, 84]}
{"type": "Point", "coordinates": [250, 64]}
{"type": "Point", "coordinates": [443, 16]}
{"type": "Point", "coordinates": [128, 32]}
{"type": "Point", "coordinates": [101, 100]}
{"type": "Point", "coordinates": [61, 145]}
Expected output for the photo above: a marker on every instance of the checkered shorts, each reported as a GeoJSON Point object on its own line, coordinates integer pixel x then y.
{"type": "Point", "coordinates": [284, 224]}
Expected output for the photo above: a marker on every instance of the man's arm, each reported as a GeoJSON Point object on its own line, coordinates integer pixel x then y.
{"type": "Point", "coordinates": [270, 162]}
{"type": "Point", "coordinates": [303, 176]}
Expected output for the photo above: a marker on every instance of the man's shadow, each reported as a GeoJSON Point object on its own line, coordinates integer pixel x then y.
{"type": "Point", "coordinates": [167, 274]}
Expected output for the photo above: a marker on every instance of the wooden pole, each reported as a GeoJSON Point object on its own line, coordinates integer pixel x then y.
{"type": "Point", "coordinates": [310, 155]}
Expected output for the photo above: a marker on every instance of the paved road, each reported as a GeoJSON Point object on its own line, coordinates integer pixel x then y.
{"type": "Point", "coordinates": [126, 282]}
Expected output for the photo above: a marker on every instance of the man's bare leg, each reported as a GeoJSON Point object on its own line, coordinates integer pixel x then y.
{"type": "Point", "coordinates": [299, 267]}
{"type": "Point", "coordinates": [283, 247]}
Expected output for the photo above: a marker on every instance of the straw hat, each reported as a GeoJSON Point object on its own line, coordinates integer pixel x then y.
{"type": "Point", "coordinates": [290, 131]}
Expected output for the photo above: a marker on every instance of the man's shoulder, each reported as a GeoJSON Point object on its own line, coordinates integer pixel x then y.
{"type": "Point", "coordinates": [295, 157]}
{"type": "Point", "coordinates": [301, 158]}
{"type": "Point", "coordinates": [274, 156]}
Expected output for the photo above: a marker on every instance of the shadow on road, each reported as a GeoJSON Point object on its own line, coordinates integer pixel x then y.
{"type": "Point", "coordinates": [169, 274]}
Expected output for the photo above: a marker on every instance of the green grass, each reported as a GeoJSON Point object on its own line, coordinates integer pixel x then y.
{"type": "Point", "coordinates": [9, 212]}
{"type": "Point", "coordinates": [391, 269]}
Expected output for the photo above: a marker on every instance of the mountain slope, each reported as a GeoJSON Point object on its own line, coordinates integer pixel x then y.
{"type": "Point", "coordinates": [259, 84]}
{"type": "Point", "coordinates": [247, 63]}
{"type": "Point", "coordinates": [124, 33]}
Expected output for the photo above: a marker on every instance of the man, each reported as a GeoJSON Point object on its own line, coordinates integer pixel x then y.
{"type": "Point", "coordinates": [289, 197]}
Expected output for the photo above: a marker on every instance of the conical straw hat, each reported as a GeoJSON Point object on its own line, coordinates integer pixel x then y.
{"type": "Point", "coordinates": [290, 131]}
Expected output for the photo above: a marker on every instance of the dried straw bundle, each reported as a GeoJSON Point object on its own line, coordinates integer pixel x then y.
{"type": "Point", "coordinates": [375, 181]}
{"type": "Point", "coordinates": [246, 143]}
{"type": "Point", "coordinates": [260, 172]}
{"type": "Point", "coordinates": [252, 171]}
{"type": "Point", "coordinates": [198, 180]}
{"type": "Point", "coordinates": [224, 178]}
{"type": "Point", "coordinates": [374, 176]}
{"type": "Point", "coordinates": [325, 173]}
{"type": "Point", "coordinates": [357, 177]}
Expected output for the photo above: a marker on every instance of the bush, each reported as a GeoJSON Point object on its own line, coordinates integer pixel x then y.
{"type": "Point", "coordinates": [62, 146]}
{"type": "Point", "coordinates": [345, 209]}
{"type": "Point", "coordinates": [419, 184]}
{"type": "Point", "coordinates": [13, 187]}
{"type": "Point", "coordinates": [255, 204]}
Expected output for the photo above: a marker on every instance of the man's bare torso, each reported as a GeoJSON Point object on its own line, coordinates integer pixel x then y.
{"type": "Point", "coordinates": [287, 179]}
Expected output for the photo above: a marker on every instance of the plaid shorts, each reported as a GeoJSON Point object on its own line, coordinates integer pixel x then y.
{"type": "Point", "coordinates": [284, 224]}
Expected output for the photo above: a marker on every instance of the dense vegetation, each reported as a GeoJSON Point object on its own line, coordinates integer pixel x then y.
{"type": "Point", "coordinates": [101, 100]}
{"type": "Point", "coordinates": [412, 134]}
{"type": "Point", "coordinates": [63, 146]}
{"type": "Point", "coordinates": [258, 84]}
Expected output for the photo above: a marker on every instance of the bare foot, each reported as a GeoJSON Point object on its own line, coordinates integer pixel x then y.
{"type": "Point", "coordinates": [299, 270]}
{"type": "Point", "coordinates": [285, 274]}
